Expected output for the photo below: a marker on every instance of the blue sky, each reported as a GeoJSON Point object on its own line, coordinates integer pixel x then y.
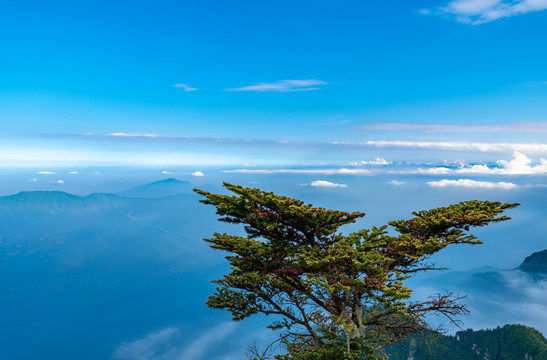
{"type": "Point", "coordinates": [271, 83]}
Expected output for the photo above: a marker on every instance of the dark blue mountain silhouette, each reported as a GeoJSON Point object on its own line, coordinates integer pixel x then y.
{"type": "Point", "coordinates": [158, 189]}
{"type": "Point", "coordinates": [535, 263]}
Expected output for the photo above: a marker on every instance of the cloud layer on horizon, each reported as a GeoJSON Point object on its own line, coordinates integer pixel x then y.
{"type": "Point", "coordinates": [342, 171]}
{"type": "Point", "coordinates": [519, 165]}
{"type": "Point", "coordinates": [480, 146]}
{"type": "Point", "coordinates": [526, 148]}
{"type": "Point", "coordinates": [520, 127]}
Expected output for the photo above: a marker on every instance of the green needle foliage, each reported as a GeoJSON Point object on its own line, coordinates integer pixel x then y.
{"type": "Point", "coordinates": [338, 297]}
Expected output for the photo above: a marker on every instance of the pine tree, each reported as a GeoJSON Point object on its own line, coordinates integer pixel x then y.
{"type": "Point", "coordinates": [336, 296]}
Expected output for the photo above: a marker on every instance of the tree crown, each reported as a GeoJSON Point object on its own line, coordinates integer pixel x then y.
{"type": "Point", "coordinates": [337, 295]}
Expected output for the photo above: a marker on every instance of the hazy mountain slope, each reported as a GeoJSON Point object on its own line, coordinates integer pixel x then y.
{"type": "Point", "coordinates": [498, 297]}
{"type": "Point", "coordinates": [84, 274]}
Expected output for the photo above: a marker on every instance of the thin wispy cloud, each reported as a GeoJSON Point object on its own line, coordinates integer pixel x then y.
{"type": "Point", "coordinates": [540, 83]}
{"type": "Point", "coordinates": [45, 173]}
{"type": "Point", "coordinates": [198, 348]}
{"type": "Point", "coordinates": [397, 182]}
{"type": "Point", "coordinates": [121, 136]}
{"type": "Point", "coordinates": [169, 344]}
{"type": "Point", "coordinates": [337, 121]}
{"type": "Point", "coordinates": [125, 135]}
{"type": "Point", "coordinates": [283, 86]}
{"type": "Point", "coordinates": [476, 12]}
{"type": "Point", "coordinates": [467, 183]}
{"type": "Point", "coordinates": [197, 173]}
{"type": "Point", "coordinates": [520, 127]}
{"type": "Point", "coordinates": [342, 171]}
{"type": "Point", "coordinates": [185, 87]}
{"type": "Point", "coordinates": [328, 184]}
{"type": "Point", "coordinates": [527, 148]}
{"type": "Point", "coordinates": [154, 346]}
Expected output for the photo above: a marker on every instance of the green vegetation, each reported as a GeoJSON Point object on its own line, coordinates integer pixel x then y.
{"type": "Point", "coordinates": [335, 296]}
{"type": "Point", "coordinates": [510, 342]}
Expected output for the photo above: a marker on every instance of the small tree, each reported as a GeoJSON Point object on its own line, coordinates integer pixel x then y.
{"type": "Point", "coordinates": [338, 297]}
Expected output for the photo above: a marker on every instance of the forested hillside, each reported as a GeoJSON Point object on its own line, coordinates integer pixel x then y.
{"type": "Point", "coordinates": [510, 342]}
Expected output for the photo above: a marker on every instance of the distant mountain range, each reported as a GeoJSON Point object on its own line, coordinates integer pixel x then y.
{"type": "Point", "coordinates": [81, 274]}
{"type": "Point", "coordinates": [510, 342]}
{"type": "Point", "coordinates": [158, 189]}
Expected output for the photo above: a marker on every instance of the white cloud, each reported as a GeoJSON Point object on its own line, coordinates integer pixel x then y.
{"type": "Point", "coordinates": [45, 172]}
{"type": "Point", "coordinates": [482, 11]}
{"type": "Point", "coordinates": [377, 161]}
{"type": "Point", "coordinates": [472, 184]}
{"type": "Point", "coordinates": [323, 183]}
{"type": "Point", "coordinates": [60, 182]}
{"type": "Point", "coordinates": [185, 87]}
{"type": "Point", "coordinates": [33, 180]}
{"type": "Point", "coordinates": [520, 165]}
{"type": "Point", "coordinates": [380, 161]}
{"type": "Point", "coordinates": [397, 183]}
{"type": "Point", "coordinates": [166, 172]}
{"type": "Point", "coordinates": [527, 148]}
{"type": "Point", "coordinates": [342, 171]}
{"type": "Point", "coordinates": [197, 173]}
{"type": "Point", "coordinates": [72, 172]}
{"type": "Point", "coordinates": [521, 127]}
{"type": "Point", "coordinates": [283, 86]}
{"type": "Point", "coordinates": [167, 344]}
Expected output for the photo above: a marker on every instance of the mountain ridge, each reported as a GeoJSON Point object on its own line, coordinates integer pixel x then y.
{"type": "Point", "coordinates": [535, 263]}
